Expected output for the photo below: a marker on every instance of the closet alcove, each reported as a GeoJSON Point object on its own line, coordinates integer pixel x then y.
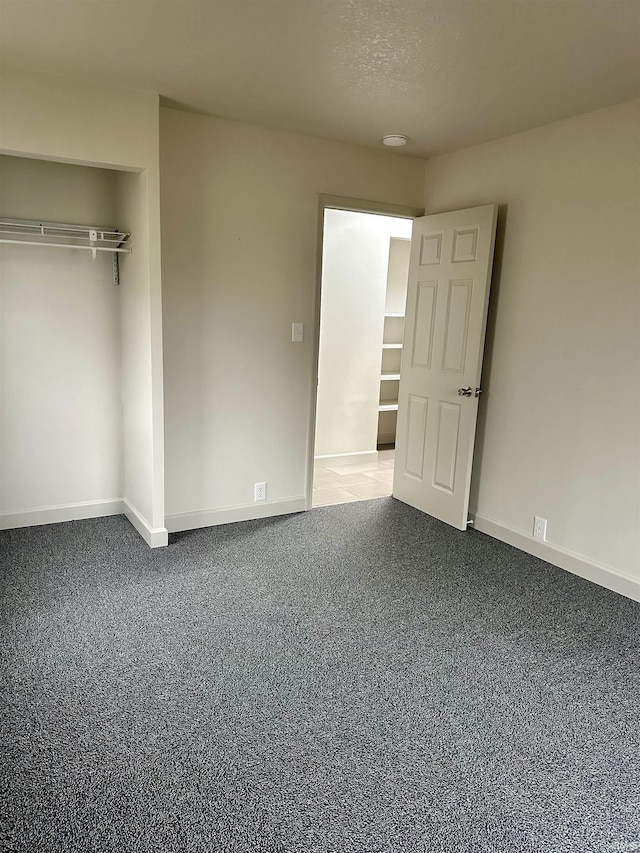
{"type": "Point", "coordinates": [64, 445]}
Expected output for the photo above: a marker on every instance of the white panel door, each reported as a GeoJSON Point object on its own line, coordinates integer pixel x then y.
{"type": "Point", "coordinates": [446, 316]}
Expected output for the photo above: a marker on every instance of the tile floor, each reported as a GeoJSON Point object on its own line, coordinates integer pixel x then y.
{"type": "Point", "coordinates": [345, 483]}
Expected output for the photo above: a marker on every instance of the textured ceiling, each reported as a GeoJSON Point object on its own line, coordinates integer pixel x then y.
{"type": "Point", "coordinates": [448, 73]}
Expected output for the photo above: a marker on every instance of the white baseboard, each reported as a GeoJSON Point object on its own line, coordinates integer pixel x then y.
{"type": "Point", "coordinates": [227, 515]}
{"type": "Point", "coordinates": [155, 537]}
{"type": "Point", "coordinates": [569, 561]}
{"type": "Point", "coordinates": [63, 512]}
{"type": "Point", "coordinates": [358, 458]}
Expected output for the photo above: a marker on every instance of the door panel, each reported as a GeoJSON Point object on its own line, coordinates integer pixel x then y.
{"type": "Point", "coordinates": [446, 446]}
{"type": "Point", "coordinates": [457, 326]}
{"type": "Point", "coordinates": [425, 317]}
{"type": "Point", "coordinates": [447, 300]}
{"type": "Point", "coordinates": [416, 431]}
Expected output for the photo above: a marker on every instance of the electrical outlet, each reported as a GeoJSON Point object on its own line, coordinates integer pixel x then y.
{"type": "Point", "coordinates": [260, 492]}
{"type": "Point", "coordinates": [539, 528]}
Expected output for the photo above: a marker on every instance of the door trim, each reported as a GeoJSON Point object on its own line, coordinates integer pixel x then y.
{"type": "Point", "coordinates": [356, 205]}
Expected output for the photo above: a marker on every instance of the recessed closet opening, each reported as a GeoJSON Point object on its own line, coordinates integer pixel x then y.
{"type": "Point", "coordinates": [365, 266]}
{"type": "Point", "coordinates": [65, 447]}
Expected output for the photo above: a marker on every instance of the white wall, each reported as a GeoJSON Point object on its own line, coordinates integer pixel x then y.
{"type": "Point", "coordinates": [560, 418]}
{"type": "Point", "coordinates": [138, 398]}
{"type": "Point", "coordinates": [355, 262]}
{"type": "Point", "coordinates": [398, 274]}
{"type": "Point", "coordinates": [55, 118]}
{"type": "Point", "coordinates": [239, 253]}
{"type": "Point", "coordinates": [60, 408]}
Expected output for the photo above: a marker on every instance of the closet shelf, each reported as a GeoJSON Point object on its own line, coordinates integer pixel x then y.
{"type": "Point", "coordinates": [392, 314]}
{"type": "Point", "coordinates": [388, 406]}
{"type": "Point", "coordinates": [389, 377]}
{"type": "Point", "coordinates": [57, 235]}
{"type": "Point", "coordinates": [391, 346]}
{"type": "Point", "coordinates": [91, 237]}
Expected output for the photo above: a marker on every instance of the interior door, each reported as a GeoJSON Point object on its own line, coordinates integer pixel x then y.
{"type": "Point", "coordinates": [445, 322]}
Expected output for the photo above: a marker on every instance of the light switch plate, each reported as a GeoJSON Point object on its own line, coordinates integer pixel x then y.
{"type": "Point", "coordinates": [297, 333]}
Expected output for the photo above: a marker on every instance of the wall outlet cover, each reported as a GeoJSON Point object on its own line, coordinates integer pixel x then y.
{"type": "Point", "coordinates": [539, 528]}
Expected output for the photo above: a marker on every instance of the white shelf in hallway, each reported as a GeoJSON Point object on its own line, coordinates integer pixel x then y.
{"type": "Point", "coordinates": [393, 352]}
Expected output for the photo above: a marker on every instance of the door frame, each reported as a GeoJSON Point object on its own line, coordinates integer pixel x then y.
{"type": "Point", "coordinates": [356, 205]}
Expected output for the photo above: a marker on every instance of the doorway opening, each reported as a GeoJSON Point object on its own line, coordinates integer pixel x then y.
{"type": "Point", "coordinates": [365, 266]}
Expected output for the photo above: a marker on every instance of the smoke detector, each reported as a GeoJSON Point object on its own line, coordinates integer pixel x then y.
{"type": "Point", "coordinates": [394, 140]}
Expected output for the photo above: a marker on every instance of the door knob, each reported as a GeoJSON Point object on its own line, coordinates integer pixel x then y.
{"type": "Point", "coordinates": [464, 392]}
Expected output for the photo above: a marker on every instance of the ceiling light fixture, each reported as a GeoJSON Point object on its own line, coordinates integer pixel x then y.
{"type": "Point", "coordinates": [394, 140]}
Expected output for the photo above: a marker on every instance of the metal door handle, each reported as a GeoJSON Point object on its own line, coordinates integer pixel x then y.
{"type": "Point", "coordinates": [464, 392]}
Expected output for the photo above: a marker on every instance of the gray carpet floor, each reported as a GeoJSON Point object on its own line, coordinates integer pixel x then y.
{"type": "Point", "coordinates": [355, 679]}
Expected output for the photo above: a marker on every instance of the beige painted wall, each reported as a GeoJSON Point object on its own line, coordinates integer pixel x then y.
{"type": "Point", "coordinates": [355, 263]}
{"type": "Point", "coordinates": [56, 118]}
{"type": "Point", "coordinates": [60, 407]}
{"type": "Point", "coordinates": [559, 430]}
{"type": "Point", "coordinates": [59, 118]}
{"type": "Point", "coordinates": [239, 252]}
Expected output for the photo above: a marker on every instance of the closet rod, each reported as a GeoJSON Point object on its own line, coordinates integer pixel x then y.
{"type": "Point", "coordinates": [65, 246]}
{"type": "Point", "coordinates": [92, 235]}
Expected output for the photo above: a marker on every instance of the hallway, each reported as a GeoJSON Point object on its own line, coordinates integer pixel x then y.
{"type": "Point", "coordinates": [346, 483]}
